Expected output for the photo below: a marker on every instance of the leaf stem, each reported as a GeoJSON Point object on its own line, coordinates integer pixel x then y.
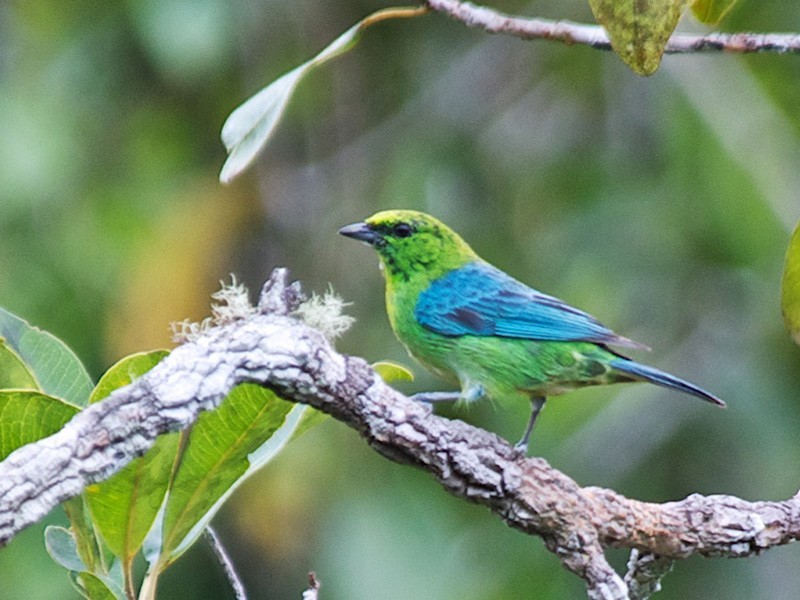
{"type": "Point", "coordinates": [148, 590]}
{"type": "Point", "coordinates": [127, 576]}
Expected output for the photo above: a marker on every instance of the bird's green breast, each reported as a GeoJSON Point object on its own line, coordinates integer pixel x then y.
{"type": "Point", "coordinates": [429, 348]}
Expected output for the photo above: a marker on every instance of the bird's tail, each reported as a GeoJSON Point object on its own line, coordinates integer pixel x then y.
{"type": "Point", "coordinates": [663, 379]}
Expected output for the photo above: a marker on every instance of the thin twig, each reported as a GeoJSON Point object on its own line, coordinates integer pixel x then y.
{"type": "Point", "coordinates": [644, 574]}
{"type": "Point", "coordinates": [226, 562]}
{"type": "Point", "coordinates": [493, 21]}
{"type": "Point", "coordinates": [312, 591]}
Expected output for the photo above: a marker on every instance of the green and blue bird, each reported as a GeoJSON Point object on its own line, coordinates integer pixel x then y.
{"type": "Point", "coordinates": [478, 327]}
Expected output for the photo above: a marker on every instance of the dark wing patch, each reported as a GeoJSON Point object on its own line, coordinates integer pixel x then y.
{"type": "Point", "coordinates": [478, 299]}
{"type": "Point", "coordinates": [470, 319]}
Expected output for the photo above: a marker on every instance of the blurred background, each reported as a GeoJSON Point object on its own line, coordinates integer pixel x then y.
{"type": "Point", "coordinates": [661, 205]}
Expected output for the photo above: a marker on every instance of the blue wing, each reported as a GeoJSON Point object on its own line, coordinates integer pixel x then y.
{"type": "Point", "coordinates": [479, 299]}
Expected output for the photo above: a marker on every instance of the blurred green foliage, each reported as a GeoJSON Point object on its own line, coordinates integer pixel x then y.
{"type": "Point", "coordinates": [790, 286]}
{"type": "Point", "coordinates": [661, 205]}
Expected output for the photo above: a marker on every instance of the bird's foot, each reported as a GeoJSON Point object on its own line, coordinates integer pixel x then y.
{"type": "Point", "coordinates": [432, 397]}
{"type": "Point", "coordinates": [521, 447]}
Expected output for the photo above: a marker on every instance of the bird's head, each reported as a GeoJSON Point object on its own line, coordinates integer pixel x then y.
{"type": "Point", "coordinates": [410, 243]}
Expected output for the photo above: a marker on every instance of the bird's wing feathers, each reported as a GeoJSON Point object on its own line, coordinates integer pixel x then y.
{"type": "Point", "coordinates": [479, 299]}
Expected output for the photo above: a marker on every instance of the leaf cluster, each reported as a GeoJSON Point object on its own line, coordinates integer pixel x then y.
{"type": "Point", "coordinates": [159, 504]}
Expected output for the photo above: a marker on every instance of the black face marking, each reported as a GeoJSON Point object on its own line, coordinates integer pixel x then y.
{"type": "Point", "coordinates": [402, 230]}
{"type": "Point", "coordinates": [470, 319]}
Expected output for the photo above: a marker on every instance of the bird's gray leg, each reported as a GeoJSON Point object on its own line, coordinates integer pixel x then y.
{"type": "Point", "coordinates": [537, 404]}
{"type": "Point", "coordinates": [470, 394]}
{"type": "Point", "coordinates": [431, 397]}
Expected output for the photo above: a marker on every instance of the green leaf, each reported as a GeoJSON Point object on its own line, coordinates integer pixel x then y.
{"type": "Point", "coordinates": [124, 506]}
{"type": "Point", "coordinates": [14, 374]}
{"type": "Point", "coordinates": [712, 11]}
{"type": "Point", "coordinates": [27, 416]}
{"type": "Point", "coordinates": [299, 420]}
{"type": "Point", "coordinates": [639, 29]}
{"type": "Point", "coordinates": [61, 546]}
{"type": "Point", "coordinates": [115, 577]}
{"type": "Point", "coordinates": [790, 286]}
{"type": "Point", "coordinates": [56, 368]}
{"type": "Point", "coordinates": [124, 372]}
{"type": "Point", "coordinates": [248, 128]}
{"type": "Point", "coordinates": [392, 371]}
{"type": "Point", "coordinates": [216, 459]}
{"type": "Point", "coordinates": [309, 418]}
{"type": "Point", "coordinates": [93, 587]}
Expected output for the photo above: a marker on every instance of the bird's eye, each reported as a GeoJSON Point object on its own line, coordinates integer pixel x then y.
{"type": "Point", "coordinates": [402, 230]}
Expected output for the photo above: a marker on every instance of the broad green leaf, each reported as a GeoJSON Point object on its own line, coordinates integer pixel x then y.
{"type": "Point", "coordinates": [247, 129]}
{"type": "Point", "coordinates": [712, 11]}
{"type": "Point", "coordinates": [61, 546]}
{"type": "Point", "coordinates": [124, 506]}
{"type": "Point", "coordinates": [27, 416]}
{"type": "Point", "coordinates": [216, 458]}
{"type": "Point", "coordinates": [639, 29]}
{"type": "Point", "coordinates": [93, 587]}
{"type": "Point", "coordinates": [56, 368]}
{"type": "Point", "coordinates": [124, 372]}
{"type": "Point", "coordinates": [14, 374]}
{"type": "Point", "coordinates": [392, 371]}
{"type": "Point", "coordinates": [790, 287]}
{"type": "Point", "coordinates": [299, 420]}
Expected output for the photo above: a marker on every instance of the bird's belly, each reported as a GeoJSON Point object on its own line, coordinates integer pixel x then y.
{"type": "Point", "coordinates": [430, 349]}
{"type": "Point", "coordinates": [512, 367]}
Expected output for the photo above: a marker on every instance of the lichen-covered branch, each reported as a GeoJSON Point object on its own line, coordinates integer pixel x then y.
{"type": "Point", "coordinates": [274, 349]}
{"type": "Point", "coordinates": [570, 33]}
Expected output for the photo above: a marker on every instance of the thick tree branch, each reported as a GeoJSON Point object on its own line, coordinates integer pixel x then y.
{"type": "Point", "coordinates": [278, 351]}
{"type": "Point", "coordinates": [493, 21]}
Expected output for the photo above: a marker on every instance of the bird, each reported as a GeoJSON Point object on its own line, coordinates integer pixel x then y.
{"type": "Point", "coordinates": [477, 327]}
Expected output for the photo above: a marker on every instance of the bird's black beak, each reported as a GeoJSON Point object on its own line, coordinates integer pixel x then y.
{"type": "Point", "coordinates": [361, 232]}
